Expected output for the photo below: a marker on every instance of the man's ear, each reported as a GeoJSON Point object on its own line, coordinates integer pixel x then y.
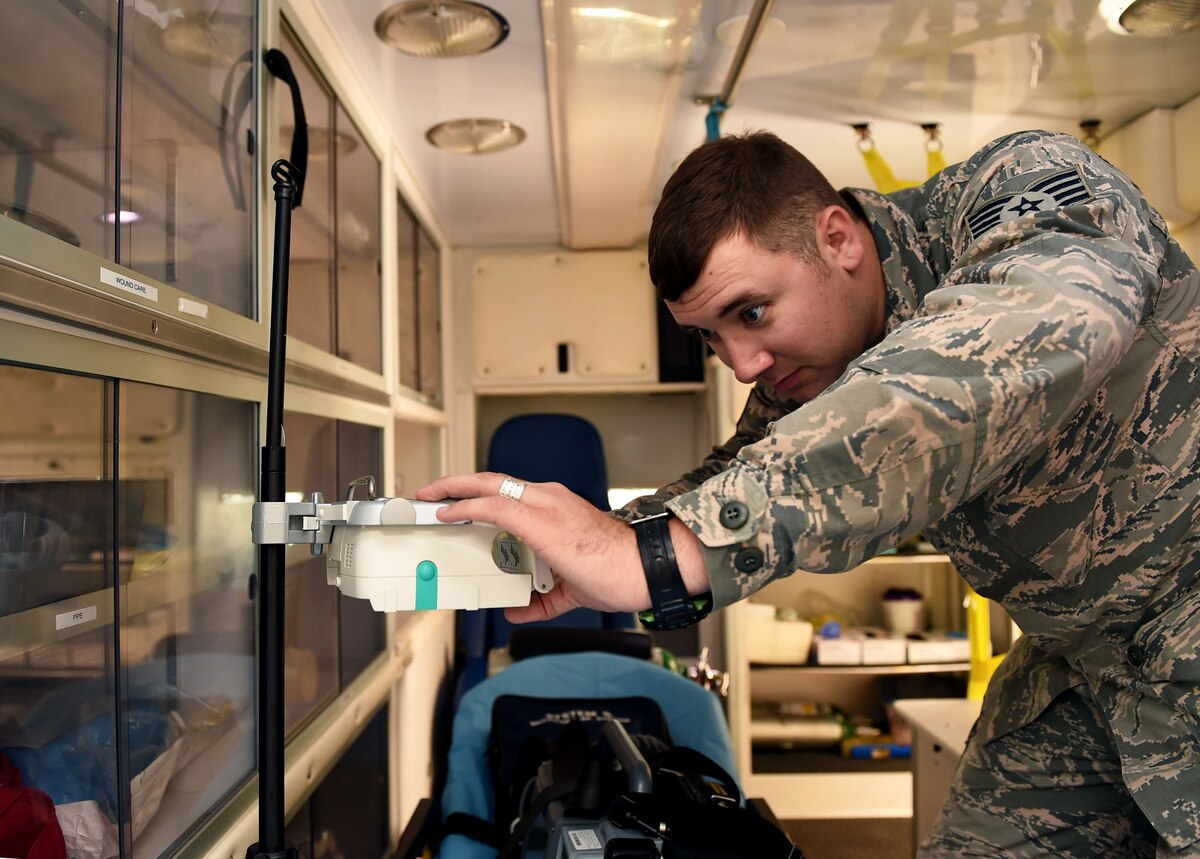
{"type": "Point", "coordinates": [838, 242]}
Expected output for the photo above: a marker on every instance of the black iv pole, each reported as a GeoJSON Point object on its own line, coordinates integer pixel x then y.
{"type": "Point", "coordinates": [271, 557]}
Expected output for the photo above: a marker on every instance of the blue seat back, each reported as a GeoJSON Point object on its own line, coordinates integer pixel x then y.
{"type": "Point", "coordinates": [546, 448]}
{"type": "Point", "coordinates": [540, 448]}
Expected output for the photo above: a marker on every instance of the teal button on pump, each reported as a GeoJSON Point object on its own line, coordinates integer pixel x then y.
{"type": "Point", "coordinates": [426, 586]}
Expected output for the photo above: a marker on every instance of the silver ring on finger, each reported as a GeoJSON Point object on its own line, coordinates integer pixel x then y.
{"type": "Point", "coordinates": [513, 489]}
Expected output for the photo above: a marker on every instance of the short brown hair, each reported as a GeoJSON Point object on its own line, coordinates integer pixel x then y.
{"type": "Point", "coordinates": [753, 184]}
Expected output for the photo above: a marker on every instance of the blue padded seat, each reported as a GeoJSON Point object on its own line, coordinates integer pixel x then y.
{"type": "Point", "coordinates": [693, 716]}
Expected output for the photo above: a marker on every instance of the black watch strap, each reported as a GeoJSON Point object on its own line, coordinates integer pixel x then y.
{"type": "Point", "coordinates": [671, 607]}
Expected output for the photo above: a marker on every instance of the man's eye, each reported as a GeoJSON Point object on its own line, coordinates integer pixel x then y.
{"type": "Point", "coordinates": [754, 314]}
{"type": "Point", "coordinates": [703, 333]}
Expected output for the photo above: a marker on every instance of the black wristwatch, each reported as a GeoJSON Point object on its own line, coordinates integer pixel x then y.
{"type": "Point", "coordinates": [671, 607]}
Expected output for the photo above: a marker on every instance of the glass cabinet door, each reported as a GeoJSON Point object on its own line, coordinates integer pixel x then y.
{"type": "Point", "coordinates": [58, 678]}
{"type": "Point", "coordinates": [429, 303]}
{"type": "Point", "coordinates": [406, 296]}
{"type": "Point", "coordinates": [362, 630]}
{"type": "Point", "coordinates": [336, 296]}
{"type": "Point", "coordinates": [358, 285]}
{"type": "Point", "coordinates": [310, 292]}
{"type": "Point", "coordinates": [58, 119]}
{"type": "Point", "coordinates": [187, 467]}
{"type": "Point", "coordinates": [187, 193]}
{"type": "Point", "coordinates": [176, 202]}
{"type": "Point", "coordinates": [135, 729]}
{"type": "Point", "coordinates": [310, 604]}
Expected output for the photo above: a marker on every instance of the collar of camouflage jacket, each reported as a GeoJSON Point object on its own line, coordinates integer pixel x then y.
{"type": "Point", "coordinates": [907, 274]}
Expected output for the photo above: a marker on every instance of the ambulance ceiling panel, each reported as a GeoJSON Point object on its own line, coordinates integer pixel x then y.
{"type": "Point", "coordinates": [607, 93]}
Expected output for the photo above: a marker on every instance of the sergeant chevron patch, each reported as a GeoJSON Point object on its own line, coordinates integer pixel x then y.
{"type": "Point", "coordinates": [1044, 195]}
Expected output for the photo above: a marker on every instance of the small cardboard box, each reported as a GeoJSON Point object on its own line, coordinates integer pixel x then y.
{"type": "Point", "coordinates": [770, 641]}
{"type": "Point", "coordinates": [927, 647]}
{"type": "Point", "coordinates": [879, 647]}
{"type": "Point", "coordinates": [843, 650]}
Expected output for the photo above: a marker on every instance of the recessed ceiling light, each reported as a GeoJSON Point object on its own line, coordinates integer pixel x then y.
{"type": "Point", "coordinates": [729, 31]}
{"type": "Point", "coordinates": [441, 28]}
{"type": "Point", "coordinates": [1150, 18]}
{"type": "Point", "coordinates": [125, 216]}
{"type": "Point", "coordinates": [475, 136]}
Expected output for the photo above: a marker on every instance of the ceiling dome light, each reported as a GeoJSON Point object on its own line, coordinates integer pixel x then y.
{"type": "Point", "coordinates": [475, 136]}
{"type": "Point", "coordinates": [441, 28]}
{"type": "Point", "coordinates": [729, 32]}
{"type": "Point", "coordinates": [1150, 18]}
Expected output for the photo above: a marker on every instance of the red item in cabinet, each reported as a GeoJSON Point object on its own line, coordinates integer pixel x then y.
{"type": "Point", "coordinates": [28, 825]}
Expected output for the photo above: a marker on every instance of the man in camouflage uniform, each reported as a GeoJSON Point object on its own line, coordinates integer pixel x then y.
{"type": "Point", "coordinates": [1004, 359]}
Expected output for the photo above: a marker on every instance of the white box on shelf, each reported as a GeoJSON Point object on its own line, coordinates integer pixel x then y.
{"type": "Point", "coordinates": [879, 647]}
{"type": "Point", "coordinates": [770, 641]}
{"type": "Point", "coordinates": [927, 647]}
{"type": "Point", "coordinates": [846, 649]}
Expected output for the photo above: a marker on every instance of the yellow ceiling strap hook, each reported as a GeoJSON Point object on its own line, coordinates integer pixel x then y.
{"type": "Point", "coordinates": [1089, 132]}
{"type": "Point", "coordinates": [935, 158]}
{"type": "Point", "coordinates": [885, 181]}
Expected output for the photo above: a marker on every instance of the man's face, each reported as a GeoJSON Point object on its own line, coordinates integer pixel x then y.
{"type": "Point", "coordinates": [774, 318]}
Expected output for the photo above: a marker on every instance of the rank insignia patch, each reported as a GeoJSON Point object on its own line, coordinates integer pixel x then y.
{"type": "Point", "coordinates": [1045, 195]}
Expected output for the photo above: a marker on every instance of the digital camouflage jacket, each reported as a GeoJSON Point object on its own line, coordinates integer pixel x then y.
{"type": "Point", "coordinates": [1033, 411]}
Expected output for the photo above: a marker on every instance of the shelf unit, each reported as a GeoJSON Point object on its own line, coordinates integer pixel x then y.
{"type": "Point", "coordinates": [820, 783]}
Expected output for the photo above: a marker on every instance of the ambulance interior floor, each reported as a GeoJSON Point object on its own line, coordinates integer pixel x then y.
{"type": "Point", "coordinates": [886, 838]}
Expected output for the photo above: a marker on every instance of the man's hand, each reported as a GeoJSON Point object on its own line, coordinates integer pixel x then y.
{"type": "Point", "coordinates": [594, 557]}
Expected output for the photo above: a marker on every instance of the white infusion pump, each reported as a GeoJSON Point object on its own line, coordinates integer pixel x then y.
{"type": "Point", "coordinates": [396, 553]}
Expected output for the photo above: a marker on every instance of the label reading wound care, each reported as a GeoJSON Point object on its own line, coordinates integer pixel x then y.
{"type": "Point", "coordinates": [129, 284]}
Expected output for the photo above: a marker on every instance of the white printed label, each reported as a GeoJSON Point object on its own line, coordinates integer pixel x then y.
{"type": "Point", "coordinates": [186, 305]}
{"type": "Point", "coordinates": [584, 839]}
{"type": "Point", "coordinates": [74, 618]}
{"type": "Point", "coordinates": [129, 284]}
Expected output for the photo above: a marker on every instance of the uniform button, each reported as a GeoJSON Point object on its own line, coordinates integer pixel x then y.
{"type": "Point", "coordinates": [734, 515]}
{"type": "Point", "coordinates": [1136, 655]}
{"type": "Point", "coordinates": [749, 560]}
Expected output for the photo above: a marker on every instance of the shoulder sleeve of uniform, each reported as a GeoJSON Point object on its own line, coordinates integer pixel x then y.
{"type": "Point", "coordinates": [1049, 181]}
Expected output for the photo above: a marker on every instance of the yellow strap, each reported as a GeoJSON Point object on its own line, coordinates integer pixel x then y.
{"type": "Point", "coordinates": [979, 634]}
{"type": "Point", "coordinates": [935, 161]}
{"type": "Point", "coordinates": [885, 180]}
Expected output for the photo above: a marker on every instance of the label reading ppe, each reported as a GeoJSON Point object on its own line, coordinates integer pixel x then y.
{"type": "Point", "coordinates": [129, 284]}
{"type": "Point", "coordinates": [584, 839]}
{"type": "Point", "coordinates": [74, 618]}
